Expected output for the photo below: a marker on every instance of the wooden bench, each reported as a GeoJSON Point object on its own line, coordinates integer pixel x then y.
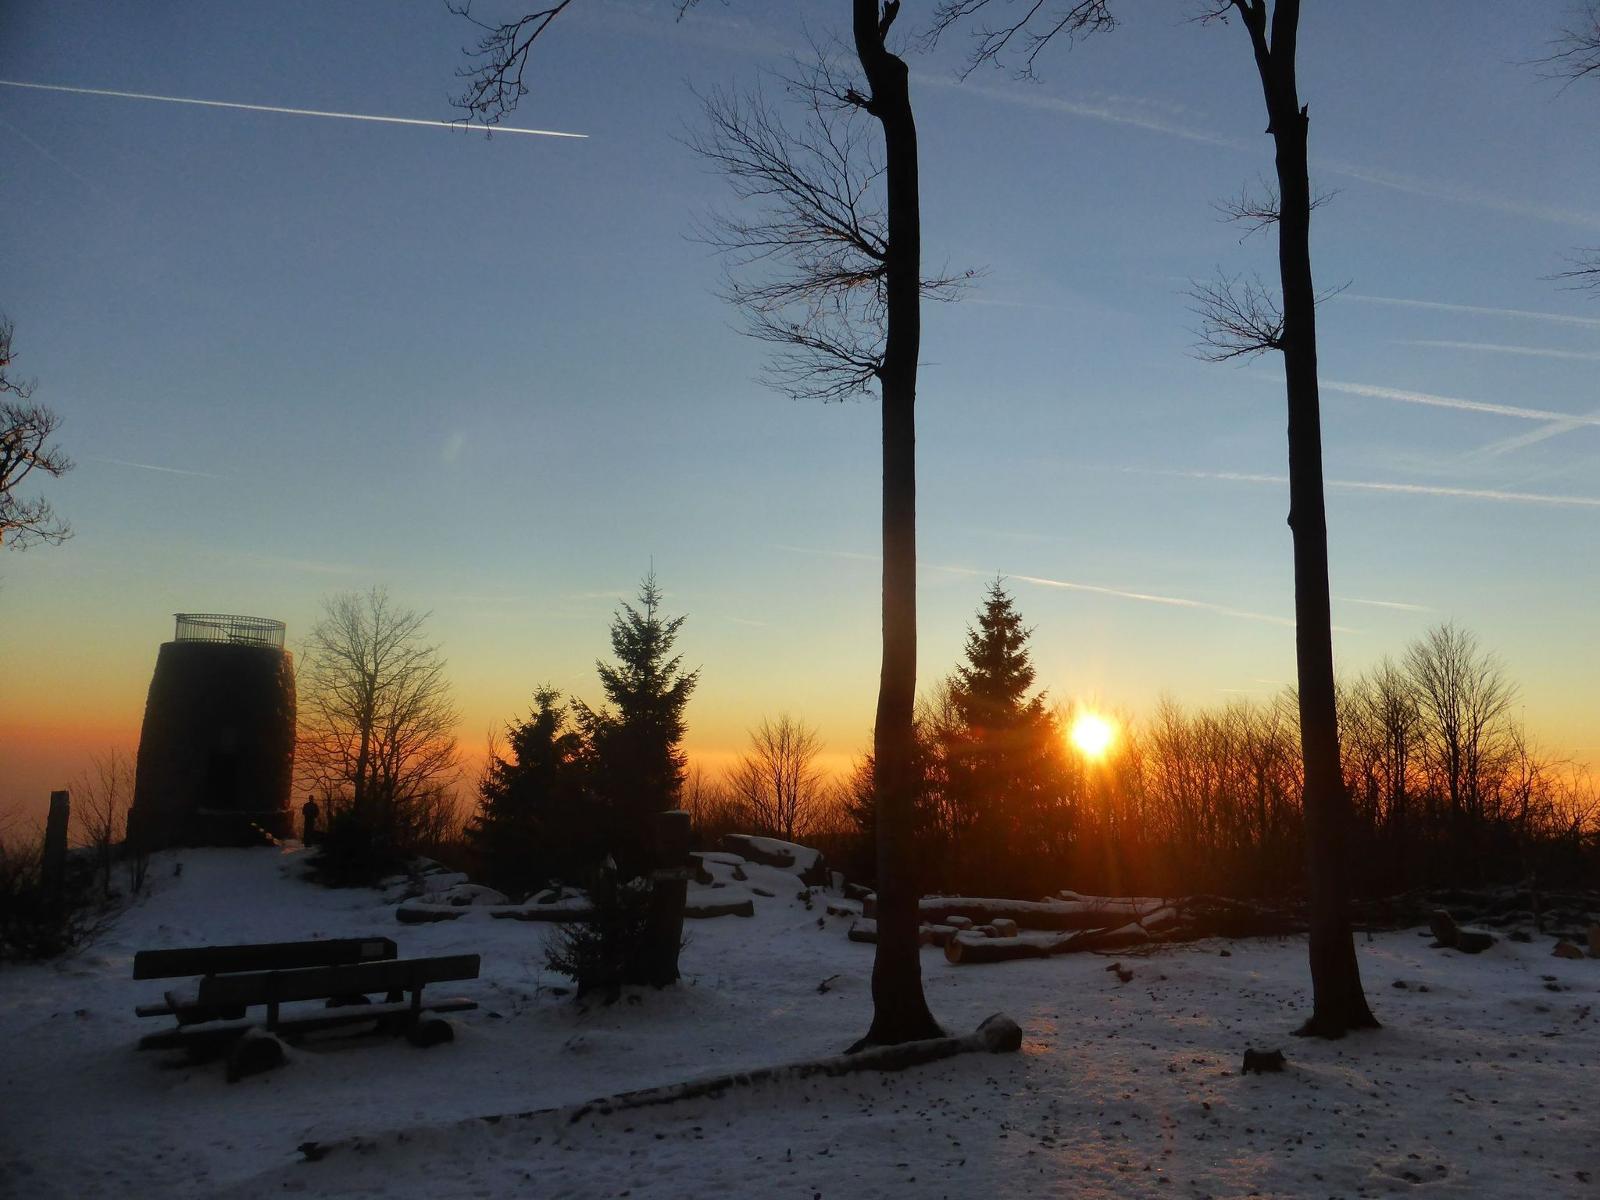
{"type": "Point", "coordinates": [258, 956]}
{"type": "Point", "coordinates": [211, 1010]}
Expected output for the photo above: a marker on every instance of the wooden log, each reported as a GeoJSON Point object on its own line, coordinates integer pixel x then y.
{"type": "Point", "coordinates": [998, 1034]}
{"type": "Point", "coordinates": [700, 910]}
{"type": "Point", "coordinates": [1098, 913]}
{"type": "Point", "coordinates": [424, 914]}
{"type": "Point", "coordinates": [968, 948]}
{"type": "Point", "coordinates": [551, 913]}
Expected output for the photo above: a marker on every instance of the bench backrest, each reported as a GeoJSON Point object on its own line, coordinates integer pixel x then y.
{"type": "Point", "coordinates": [261, 956]}
{"type": "Point", "coordinates": [342, 979]}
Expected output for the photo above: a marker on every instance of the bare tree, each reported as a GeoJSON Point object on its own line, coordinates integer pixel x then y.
{"type": "Point", "coordinates": [100, 810]}
{"type": "Point", "coordinates": [1465, 697]}
{"type": "Point", "coordinates": [778, 782]}
{"type": "Point", "coordinates": [1577, 56]}
{"type": "Point", "coordinates": [1243, 317]}
{"type": "Point", "coordinates": [712, 809]}
{"type": "Point", "coordinates": [836, 233]}
{"type": "Point", "coordinates": [1246, 320]}
{"type": "Point", "coordinates": [378, 724]}
{"type": "Point", "coordinates": [25, 432]}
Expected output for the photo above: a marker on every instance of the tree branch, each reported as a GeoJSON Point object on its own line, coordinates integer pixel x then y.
{"type": "Point", "coordinates": [1579, 52]}
{"type": "Point", "coordinates": [1030, 24]}
{"type": "Point", "coordinates": [1239, 318]}
{"type": "Point", "coordinates": [809, 266]}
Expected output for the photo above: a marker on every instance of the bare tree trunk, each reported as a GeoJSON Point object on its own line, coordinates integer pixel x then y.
{"type": "Point", "coordinates": [900, 1011]}
{"type": "Point", "coordinates": [1338, 1002]}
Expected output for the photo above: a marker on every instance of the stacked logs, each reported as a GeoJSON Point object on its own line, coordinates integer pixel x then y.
{"type": "Point", "coordinates": [977, 930]}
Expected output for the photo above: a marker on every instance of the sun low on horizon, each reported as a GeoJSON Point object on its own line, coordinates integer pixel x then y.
{"type": "Point", "coordinates": [1092, 735]}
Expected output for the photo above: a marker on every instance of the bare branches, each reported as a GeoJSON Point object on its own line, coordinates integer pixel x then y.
{"type": "Point", "coordinates": [1578, 52]}
{"type": "Point", "coordinates": [778, 782]}
{"type": "Point", "coordinates": [1023, 31]}
{"type": "Point", "coordinates": [378, 724]}
{"type": "Point", "coordinates": [1259, 209]}
{"type": "Point", "coordinates": [808, 265]}
{"type": "Point", "coordinates": [25, 432]}
{"type": "Point", "coordinates": [1584, 273]}
{"type": "Point", "coordinates": [494, 77]}
{"type": "Point", "coordinates": [1240, 317]}
{"type": "Point", "coordinates": [497, 64]}
{"type": "Point", "coordinates": [1578, 55]}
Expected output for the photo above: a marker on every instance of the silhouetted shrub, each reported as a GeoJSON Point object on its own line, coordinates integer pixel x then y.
{"type": "Point", "coordinates": [33, 923]}
{"type": "Point", "coordinates": [356, 851]}
{"type": "Point", "coordinates": [611, 949]}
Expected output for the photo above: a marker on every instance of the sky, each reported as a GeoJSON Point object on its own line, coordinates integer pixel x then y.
{"type": "Point", "coordinates": [295, 356]}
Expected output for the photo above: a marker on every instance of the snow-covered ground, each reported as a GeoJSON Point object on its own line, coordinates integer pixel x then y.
{"type": "Point", "coordinates": [1484, 1082]}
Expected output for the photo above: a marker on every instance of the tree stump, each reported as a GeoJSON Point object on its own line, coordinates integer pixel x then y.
{"type": "Point", "coordinates": [669, 896]}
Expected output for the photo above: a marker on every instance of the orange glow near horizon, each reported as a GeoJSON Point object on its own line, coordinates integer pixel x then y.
{"type": "Point", "coordinates": [1091, 735]}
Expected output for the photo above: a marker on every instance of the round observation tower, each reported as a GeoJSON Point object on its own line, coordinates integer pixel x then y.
{"type": "Point", "coordinates": [216, 753]}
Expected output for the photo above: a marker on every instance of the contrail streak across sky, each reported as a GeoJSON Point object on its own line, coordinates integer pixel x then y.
{"type": "Point", "coordinates": [273, 108]}
{"type": "Point", "coordinates": [1408, 489]}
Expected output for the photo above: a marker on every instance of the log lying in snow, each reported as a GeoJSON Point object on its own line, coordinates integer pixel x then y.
{"type": "Point", "coordinates": [968, 948]}
{"type": "Point", "coordinates": [998, 1034]}
{"type": "Point", "coordinates": [1090, 912]}
{"type": "Point", "coordinates": [695, 909]}
{"type": "Point", "coordinates": [547, 912]}
{"type": "Point", "coordinates": [703, 909]}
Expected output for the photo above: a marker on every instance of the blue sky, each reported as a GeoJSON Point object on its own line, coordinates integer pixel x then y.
{"type": "Point", "coordinates": [492, 374]}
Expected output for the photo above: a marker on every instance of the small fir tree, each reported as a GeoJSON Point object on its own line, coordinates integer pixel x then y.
{"type": "Point", "coordinates": [635, 743]}
{"type": "Point", "coordinates": [612, 948]}
{"type": "Point", "coordinates": [536, 821]}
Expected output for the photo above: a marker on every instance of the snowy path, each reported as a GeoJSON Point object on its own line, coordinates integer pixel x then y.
{"type": "Point", "coordinates": [1482, 1085]}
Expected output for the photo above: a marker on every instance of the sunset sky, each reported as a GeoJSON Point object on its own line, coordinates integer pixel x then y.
{"type": "Point", "coordinates": [295, 356]}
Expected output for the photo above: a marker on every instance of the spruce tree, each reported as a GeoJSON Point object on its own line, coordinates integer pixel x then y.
{"type": "Point", "coordinates": [1003, 759]}
{"type": "Point", "coordinates": [536, 820]}
{"type": "Point", "coordinates": [638, 765]}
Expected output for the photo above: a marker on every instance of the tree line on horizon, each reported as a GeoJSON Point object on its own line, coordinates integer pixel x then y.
{"type": "Point", "coordinates": [1447, 787]}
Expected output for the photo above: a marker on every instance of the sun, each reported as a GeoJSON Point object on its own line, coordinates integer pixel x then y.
{"type": "Point", "coordinates": [1092, 734]}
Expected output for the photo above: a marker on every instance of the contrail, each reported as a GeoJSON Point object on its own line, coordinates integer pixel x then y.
{"type": "Point", "coordinates": [1498, 348]}
{"type": "Point", "coordinates": [1455, 402]}
{"type": "Point", "coordinates": [273, 108]}
{"type": "Point", "coordinates": [1067, 585]}
{"type": "Point", "coordinates": [122, 462]}
{"type": "Point", "coordinates": [1409, 489]}
{"type": "Point", "coordinates": [1475, 309]}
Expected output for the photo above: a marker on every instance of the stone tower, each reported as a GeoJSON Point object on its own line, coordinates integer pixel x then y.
{"type": "Point", "coordinates": [216, 753]}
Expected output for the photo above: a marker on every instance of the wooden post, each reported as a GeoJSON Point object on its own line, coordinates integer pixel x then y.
{"type": "Point", "coordinates": [669, 894]}
{"type": "Point", "coordinates": [55, 843]}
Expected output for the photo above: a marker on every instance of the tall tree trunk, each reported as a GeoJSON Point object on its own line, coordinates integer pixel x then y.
{"type": "Point", "coordinates": [1338, 1002]}
{"type": "Point", "coordinates": [899, 1009]}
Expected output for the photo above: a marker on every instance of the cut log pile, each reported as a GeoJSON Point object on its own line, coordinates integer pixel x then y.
{"type": "Point", "coordinates": [979, 930]}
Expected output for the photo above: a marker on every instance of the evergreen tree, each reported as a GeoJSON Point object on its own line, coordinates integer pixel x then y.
{"type": "Point", "coordinates": [638, 765]}
{"type": "Point", "coordinates": [536, 820]}
{"type": "Point", "coordinates": [1002, 752]}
